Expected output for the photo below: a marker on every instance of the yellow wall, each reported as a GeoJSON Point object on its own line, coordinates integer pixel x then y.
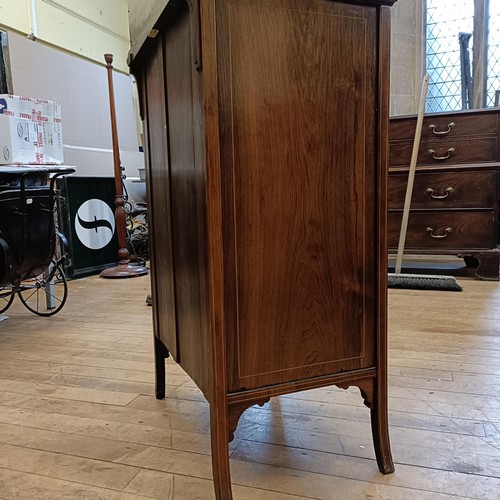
{"type": "Point", "coordinates": [88, 28]}
{"type": "Point", "coordinates": [14, 15]}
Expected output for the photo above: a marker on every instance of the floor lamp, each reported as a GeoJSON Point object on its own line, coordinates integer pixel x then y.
{"type": "Point", "coordinates": [124, 269]}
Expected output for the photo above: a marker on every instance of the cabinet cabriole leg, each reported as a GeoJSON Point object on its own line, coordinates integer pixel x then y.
{"type": "Point", "coordinates": [380, 430]}
{"type": "Point", "coordinates": [487, 265]}
{"type": "Point", "coordinates": [488, 269]}
{"type": "Point", "coordinates": [220, 454]}
{"type": "Point", "coordinates": [375, 398]}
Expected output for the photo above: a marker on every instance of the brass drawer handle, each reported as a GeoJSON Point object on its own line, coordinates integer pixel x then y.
{"type": "Point", "coordinates": [441, 158]}
{"type": "Point", "coordinates": [448, 191]}
{"type": "Point", "coordinates": [447, 231]}
{"type": "Point", "coordinates": [442, 132]}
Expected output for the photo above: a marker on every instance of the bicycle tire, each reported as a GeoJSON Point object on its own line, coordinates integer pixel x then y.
{"type": "Point", "coordinates": [6, 300]}
{"type": "Point", "coordinates": [36, 291]}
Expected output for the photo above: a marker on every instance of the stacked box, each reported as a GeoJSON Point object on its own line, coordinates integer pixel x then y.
{"type": "Point", "coordinates": [30, 131]}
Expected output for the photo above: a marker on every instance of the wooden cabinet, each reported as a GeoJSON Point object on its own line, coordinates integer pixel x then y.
{"type": "Point", "coordinates": [455, 202]}
{"type": "Point", "coordinates": [266, 125]}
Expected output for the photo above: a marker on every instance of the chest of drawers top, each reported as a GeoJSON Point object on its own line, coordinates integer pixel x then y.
{"type": "Point", "coordinates": [452, 138]}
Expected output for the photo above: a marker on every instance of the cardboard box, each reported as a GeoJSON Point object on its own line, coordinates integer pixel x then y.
{"type": "Point", "coordinates": [17, 140]}
{"type": "Point", "coordinates": [29, 107]}
{"type": "Point", "coordinates": [30, 131]}
{"type": "Point", "coordinates": [53, 147]}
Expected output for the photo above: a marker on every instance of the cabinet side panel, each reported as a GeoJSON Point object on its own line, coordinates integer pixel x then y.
{"type": "Point", "coordinates": [297, 91]}
{"type": "Point", "coordinates": [186, 195]}
{"type": "Point", "coordinates": [158, 177]}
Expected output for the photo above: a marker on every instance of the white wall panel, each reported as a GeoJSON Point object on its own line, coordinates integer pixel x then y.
{"type": "Point", "coordinates": [81, 87]}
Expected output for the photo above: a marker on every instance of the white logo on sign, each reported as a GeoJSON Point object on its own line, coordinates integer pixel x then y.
{"type": "Point", "coordinates": [94, 224]}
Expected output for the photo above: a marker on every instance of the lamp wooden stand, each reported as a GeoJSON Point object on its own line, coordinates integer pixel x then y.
{"type": "Point", "coordinates": [124, 269]}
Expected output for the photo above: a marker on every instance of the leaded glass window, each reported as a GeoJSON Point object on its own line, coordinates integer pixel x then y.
{"type": "Point", "coordinates": [445, 21]}
{"type": "Point", "coordinates": [493, 76]}
{"type": "Point", "coordinates": [449, 65]}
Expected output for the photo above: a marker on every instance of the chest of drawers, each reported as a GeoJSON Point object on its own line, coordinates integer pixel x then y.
{"type": "Point", "coordinates": [455, 202]}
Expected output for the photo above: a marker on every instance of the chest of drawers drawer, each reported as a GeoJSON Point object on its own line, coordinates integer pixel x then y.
{"type": "Point", "coordinates": [445, 151]}
{"type": "Point", "coordinates": [444, 190]}
{"type": "Point", "coordinates": [448, 126]}
{"type": "Point", "coordinates": [446, 230]}
{"type": "Point", "coordinates": [447, 139]}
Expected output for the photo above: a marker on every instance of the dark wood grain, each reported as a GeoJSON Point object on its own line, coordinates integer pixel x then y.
{"type": "Point", "coordinates": [453, 151]}
{"type": "Point", "coordinates": [460, 192]}
{"type": "Point", "coordinates": [462, 124]}
{"type": "Point", "coordinates": [449, 190]}
{"type": "Point", "coordinates": [274, 201]}
{"type": "Point", "coordinates": [158, 191]}
{"type": "Point", "coordinates": [468, 230]}
{"type": "Point", "coordinates": [298, 186]}
{"type": "Point", "coordinates": [486, 264]}
{"type": "Point", "coordinates": [379, 411]}
{"type": "Point", "coordinates": [178, 66]}
{"type": "Point", "coordinates": [218, 392]}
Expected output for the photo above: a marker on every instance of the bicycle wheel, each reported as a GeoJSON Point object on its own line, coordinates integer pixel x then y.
{"type": "Point", "coordinates": [46, 293]}
{"type": "Point", "coordinates": [6, 297]}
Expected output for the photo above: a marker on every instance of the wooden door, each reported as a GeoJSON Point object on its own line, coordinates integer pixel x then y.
{"type": "Point", "coordinates": [297, 92]}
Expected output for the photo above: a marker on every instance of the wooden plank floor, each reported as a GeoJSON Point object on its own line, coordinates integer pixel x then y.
{"type": "Point", "coordinates": [78, 418]}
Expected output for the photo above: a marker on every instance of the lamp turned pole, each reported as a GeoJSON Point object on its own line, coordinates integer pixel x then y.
{"type": "Point", "coordinates": [124, 269]}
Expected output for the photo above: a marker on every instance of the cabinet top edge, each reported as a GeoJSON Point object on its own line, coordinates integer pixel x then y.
{"type": "Point", "coordinates": [462, 112]}
{"type": "Point", "coordinates": [141, 33]}
{"type": "Point", "coordinates": [372, 3]}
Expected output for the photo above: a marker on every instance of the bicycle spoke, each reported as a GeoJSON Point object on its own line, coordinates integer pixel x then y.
{"type": "Point", "coordinates": [46, 294]}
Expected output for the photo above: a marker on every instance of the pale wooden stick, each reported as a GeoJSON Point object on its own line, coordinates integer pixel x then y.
{"type": "Point", "coordinates": [411, 175]}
